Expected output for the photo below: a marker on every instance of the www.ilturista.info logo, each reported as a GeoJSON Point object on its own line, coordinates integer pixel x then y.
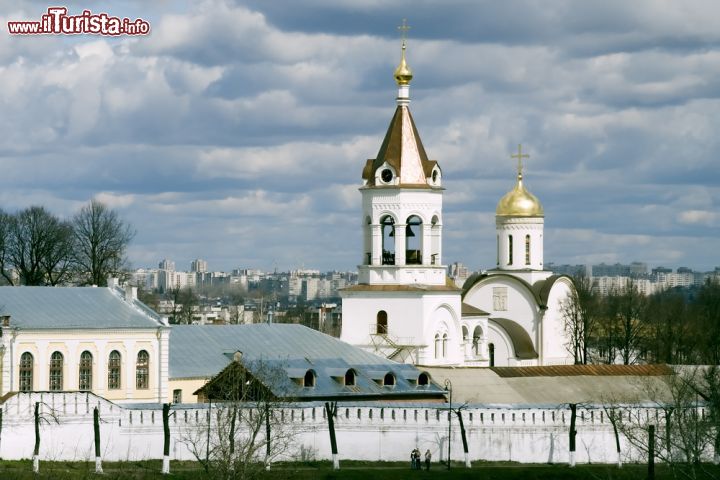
{"type": "Point", "coordinates": [57, 22]}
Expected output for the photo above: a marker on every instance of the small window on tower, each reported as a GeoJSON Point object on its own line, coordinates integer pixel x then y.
{"type": "Point", "coordinates": [386, 175]}
{"type": "Point", "coordinates": [510, 250]}
{"type": "Point", "coordinates": [527, 249]}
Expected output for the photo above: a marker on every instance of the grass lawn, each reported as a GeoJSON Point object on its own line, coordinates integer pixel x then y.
{"type": "Point", "coordinates": [11, 470]}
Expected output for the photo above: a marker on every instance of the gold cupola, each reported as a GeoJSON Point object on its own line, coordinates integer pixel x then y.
{"type": "Point", "coordinates": [519, 202]}
{"type": "Point", "coordinates": [403, 74]}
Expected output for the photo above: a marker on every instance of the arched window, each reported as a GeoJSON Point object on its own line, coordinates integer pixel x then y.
{"type": "Point", "coordinates": [350, 378]}
{"type": "Point", "coordinates": [497, 250]}
{"type": "Point", "coordinates": [465, 333]}
{"type": "Point", "coordinates": [444, 345]}
{"type": "Point", "coordinates": [56, 372]}
{"type": "Point", "coordinates": [26, 372]}
{"type": "Point", "coordinates": [142, 370]}
{"type": "Point", "coordinates": [387, 227]}
{"type": "Point", "coordinates": [309, 380]}
{"type": "Point", "coordinates": [527, 249]}
{"type": "Point", "coordinates": [510, 250]}
{"type": "Point", "coordinates": [477, 334]}
{"type": "Point", "coordinates": [423, 379]}
{"type": "Point", "coordinates": [85, 376]}
{"type": "Point", "coordinates": [114, 370]}
{"type": "Point", "coordinates": [389, 380]}
{"type": "Point", "coordinates": [491, 351]}
{"type": "Point", "coordinates": [382, 323]}
{"type": "Point", "coordinates": [437, 345]}
{"type": "Point", "coordinates": [413, 239]}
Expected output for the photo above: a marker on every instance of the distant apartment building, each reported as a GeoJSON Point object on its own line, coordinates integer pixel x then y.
{"type": "Point", "coordinates": [634, 270]}
{"type": "Point", "coordinates": [569, 270]}
{"type": "Point", "coordinates": [198, 266]}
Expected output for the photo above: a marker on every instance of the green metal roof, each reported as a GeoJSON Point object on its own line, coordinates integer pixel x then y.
{"type": "Point", "coordinates": [73, 308]}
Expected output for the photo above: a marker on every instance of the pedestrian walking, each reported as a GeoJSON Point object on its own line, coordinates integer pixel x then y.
{"type": "Point", "coordinates": [428, 457]}
{"type": "Point", "coordinates": [412, 459]}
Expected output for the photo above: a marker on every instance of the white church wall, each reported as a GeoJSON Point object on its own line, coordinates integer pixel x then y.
{"type": "Point", "coordinates": [413, 318]}
{"type": "Point", "coordinates": [404, 313]}
{"type": "Point", "coordinates": [504, 297]}
{"type": "Point", "coordinates": [364, 432]}
{"type": "Point", "coordinates": [503, 352]}
{"type": "Point", "coordinates": [555, 349]}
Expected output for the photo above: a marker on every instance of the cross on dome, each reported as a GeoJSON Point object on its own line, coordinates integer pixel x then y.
{"type": "Point", "coordinates": [519, 157]}
{"type": "Point", "coordinates": [403, 74]}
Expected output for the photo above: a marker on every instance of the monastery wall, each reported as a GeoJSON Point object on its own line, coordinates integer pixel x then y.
{"type": "Point", "coordinates": [364, 432]}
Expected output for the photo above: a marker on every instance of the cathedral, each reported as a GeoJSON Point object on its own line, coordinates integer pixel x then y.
{"type": "Point", "coordinates": [405, 307]}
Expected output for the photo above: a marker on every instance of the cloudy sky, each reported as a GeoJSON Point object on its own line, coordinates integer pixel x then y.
{"type": "Point", "coordinates": [237, 131]}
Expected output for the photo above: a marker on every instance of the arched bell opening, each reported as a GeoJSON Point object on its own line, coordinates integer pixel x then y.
{"type": "Point", "coordinates": [413, 239]}
{"type": "Point", "coordinates": [387, 225]}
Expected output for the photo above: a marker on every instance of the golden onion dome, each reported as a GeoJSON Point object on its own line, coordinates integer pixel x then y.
{"type": "Point", "coordinates": [519, 202]}
{"type": "Point", "coordinates": [403, 74]}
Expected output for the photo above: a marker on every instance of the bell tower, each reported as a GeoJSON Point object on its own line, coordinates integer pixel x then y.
{"type": "Point", "coordinates": [402, 203]}
{"type": "Point", "coordinates": [403, 306]}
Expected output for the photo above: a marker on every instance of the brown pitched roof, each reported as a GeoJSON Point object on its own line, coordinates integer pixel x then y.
{"type": "Point", "coordinates": [393, 147]}
{"type": "Point", "coordinates": [587, 370]}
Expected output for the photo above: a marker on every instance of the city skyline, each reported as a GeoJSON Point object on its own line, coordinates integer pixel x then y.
{"type": "Point", "coordinates": [237, 133]}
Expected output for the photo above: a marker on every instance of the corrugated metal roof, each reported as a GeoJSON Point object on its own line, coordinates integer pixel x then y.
{"type": "Point", "coordinates": [199, 351]}
{"type": "Point", "coordinates": [73, 307]}
{"type": "Point", "coordinates": [485, 386]}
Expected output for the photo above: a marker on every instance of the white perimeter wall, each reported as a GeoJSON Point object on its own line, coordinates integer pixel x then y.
{"type": "Point", "coordinates": [537, 435]}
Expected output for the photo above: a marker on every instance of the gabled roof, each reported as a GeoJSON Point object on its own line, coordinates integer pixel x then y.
{"type": "Point", "coordinates": [203, 351]}
{"type": "Point", "coordinates": [403, 150]}
{"type": "Point", "coordinates": [74, 307]}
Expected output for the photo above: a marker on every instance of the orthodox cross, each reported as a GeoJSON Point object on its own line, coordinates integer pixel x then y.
{"type": "Point", "coordinates": [403, 30]}
{"type": "Point", "coordinates": [520, 156]}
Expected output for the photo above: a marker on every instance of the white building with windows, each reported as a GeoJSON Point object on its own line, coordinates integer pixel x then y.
{"type": "Point", "coordinates": [406, 308]}
{"type": "Point", "coordinates": [100, 340]}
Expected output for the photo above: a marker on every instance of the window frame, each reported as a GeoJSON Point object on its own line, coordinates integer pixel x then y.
{"type": "Point", "coordinates": [85, 371]}
{"type": "Point", "coordinates": [25, 372]}
{"type": "Point", "coordinates": [142, 370]}
{"type": "Point", "coordinates": [55, 371]}
{"type": "Point", "coordinates": [114, 371]}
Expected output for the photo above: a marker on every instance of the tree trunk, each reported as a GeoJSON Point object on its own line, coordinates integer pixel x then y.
{"type": "Point", "coordinates": [166, 439]}
{"type": "Point", "coordinates": [96, 431]}
{"type": "Point", "coordinates": [331, 410]}
{"type": "Point", "coordinates": [464, 439]}
{"type": "Point", "coordinates": [573, 432]}
{"type": "Point", "coordinates": [36, 450]}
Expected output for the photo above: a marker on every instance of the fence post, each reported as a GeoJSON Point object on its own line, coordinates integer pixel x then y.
{"type": "Point", "coordinates": [651, 452]}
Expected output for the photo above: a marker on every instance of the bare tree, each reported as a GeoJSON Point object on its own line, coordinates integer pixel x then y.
{"type": "Point", "coordinates": [100, 243]}
{"type": "Point", "coordinates": [579, 318]}
{"type": "Point", "coordinates": [686, 431]}
{"type": "Point", "coordinates": [622, 326]}
{"type": "Point", "coordinates": [246, 427]}
{"type": "Point", "coordinates": [185, 302]}
{"type": "Point", "coordinates": [5, 221]}
{"type": "Point", "coordinates": [40, 247]}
